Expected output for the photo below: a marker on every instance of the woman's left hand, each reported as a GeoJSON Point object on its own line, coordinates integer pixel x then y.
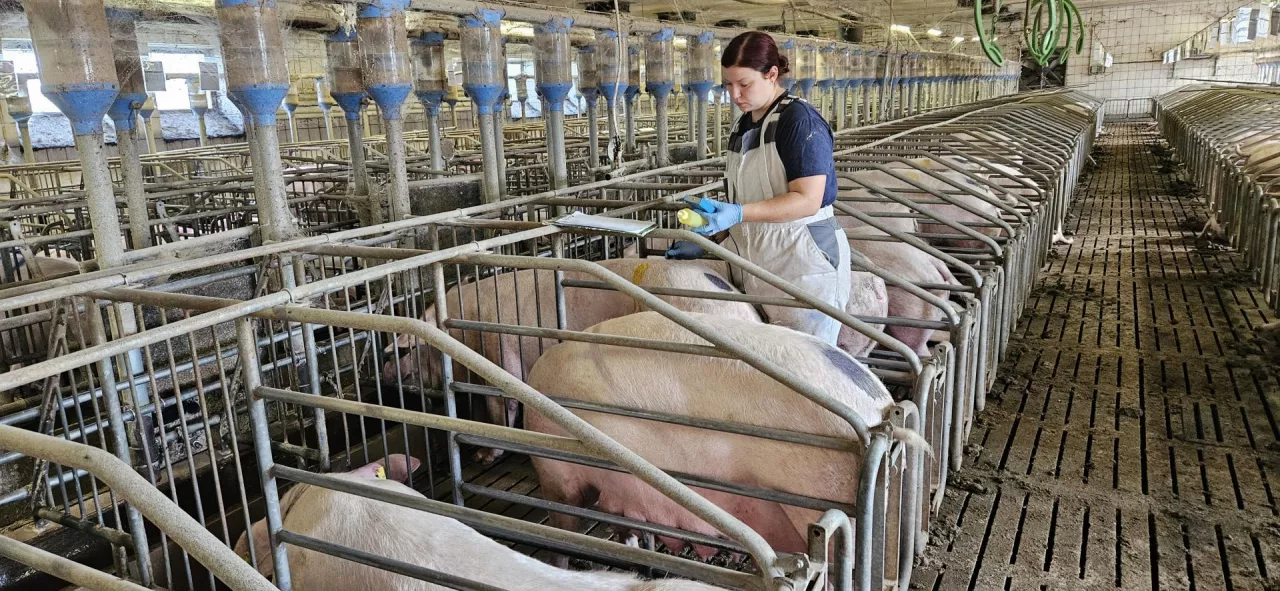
{"type": "Point", "coordinates": [720, 216]}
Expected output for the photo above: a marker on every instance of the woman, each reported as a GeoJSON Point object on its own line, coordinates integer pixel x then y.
{"type": "Point", "coordinates": [782, 184]}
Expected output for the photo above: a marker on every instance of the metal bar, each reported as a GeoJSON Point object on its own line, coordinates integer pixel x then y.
{"type": "Point", "coordinates": [380, 562]}
{"type": "Point", "coordinates": [65, 568]}
{"type": "Point", "coordinates": [498, 525]}
{"type": "Point", "coordinates": [138, 492]}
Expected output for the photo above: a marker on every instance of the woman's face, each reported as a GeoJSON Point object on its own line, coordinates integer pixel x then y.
{"type": "Point", "coordinates": [748, 88]}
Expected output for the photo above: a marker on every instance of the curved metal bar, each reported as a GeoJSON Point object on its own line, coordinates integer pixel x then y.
{"type": "Point", "coordinates": [583, 431]}
{"type": "Point", "coordinates": [146, 498]}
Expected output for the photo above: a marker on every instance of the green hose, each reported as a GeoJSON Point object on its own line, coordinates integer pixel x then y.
{"type": "Point", "coordinates": [988, 47]}
{"type": "Point", "coordinates": [1040, 33]}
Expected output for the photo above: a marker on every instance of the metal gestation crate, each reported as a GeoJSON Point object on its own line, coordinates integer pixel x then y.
{"type": "Point", "coordinates": [1213, 130]}
{"type": "Point", "coordinates": [1030, 193]}
{"type": "Point", "coordinates": [336, 365]}
{"type": "Point", "coordinates": [233, 388]}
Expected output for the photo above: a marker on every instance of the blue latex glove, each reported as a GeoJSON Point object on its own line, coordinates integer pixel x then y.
{"type": "Point", "coordinates": [682, 250]}
{"type": "Point", "coordinates": [720, 216]}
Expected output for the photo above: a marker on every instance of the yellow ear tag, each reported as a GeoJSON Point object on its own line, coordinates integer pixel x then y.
{"type": "Point", "coordinates": [380, 473]}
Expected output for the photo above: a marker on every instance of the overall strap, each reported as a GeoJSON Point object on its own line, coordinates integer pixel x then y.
{"type": "Point", "coordinates": [766, 131]}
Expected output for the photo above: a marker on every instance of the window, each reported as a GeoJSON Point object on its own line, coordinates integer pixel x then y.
{"type": "Point", "coordinates": [175, 95]}
{"type": "Point", "coordinates": [24, 62]}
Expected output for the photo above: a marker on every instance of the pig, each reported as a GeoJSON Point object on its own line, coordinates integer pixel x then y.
{"type": "Point", "coordinates": [913, 265]}
{"type": "Point", "coordinates": [869, 298]}
{"type": "Point", "coordinates": [709, 388]}
{"type": "Point", "coordinates": [1005, 176]}
{"type": "Point", "coordinates": [46, 267]}
{"type": "Point", "coordinates": [415, 537]}
{"type": "Point", "coordinates": [535, 306]}
{"type": "Point", "coordinates": [1260, 158]}
{"type": "Point", "coordinates": [947, 211]}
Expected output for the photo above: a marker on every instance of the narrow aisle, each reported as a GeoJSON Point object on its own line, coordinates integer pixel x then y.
{"type": "Point", "coordinates": [1131, 439]}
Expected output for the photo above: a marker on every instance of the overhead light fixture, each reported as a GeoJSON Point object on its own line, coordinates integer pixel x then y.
{"type": "Point", "coordinates": [974, 38]}
{"type": "Point", "coordinates": [900, 29]}
{"type": "Point", "coordinates": [934, 32]}
{"type": "Point", "coordinates": [958, 39]}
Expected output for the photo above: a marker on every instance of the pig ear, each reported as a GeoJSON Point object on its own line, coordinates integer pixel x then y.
{"type": "Point", "coordinates": [403, 341]}
{"type": "Point", "coordinates": [367, 471]}
{"type": "Point", "coordinates": [400, 466]}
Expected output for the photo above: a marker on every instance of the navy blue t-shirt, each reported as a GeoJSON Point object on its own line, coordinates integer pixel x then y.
{"type": "Point", "coordinates": [804, 143]}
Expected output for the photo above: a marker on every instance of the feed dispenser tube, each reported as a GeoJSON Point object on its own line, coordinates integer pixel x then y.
{"type": "Point", "coordinates": [346, 86]}
{"type": "Point", "coordinates": [611, 58]}
{"type": "Point", "coordinates": [844, 87]}
{"type": "Point", "coordinates": [430, 84]}
{"type": "Point", "coordinates": [659, 60]}
{"type": "Point", "coordinates": [252, 38]}
{"type": "Point", "coordinates": [635, 81]}
{"type": "Point", "coordinates": [124, 114]}
{"type": "Point", "coordinates": [691, 120]}
{"type": "Point", "coordinates": [827, 79]}
{"type": "Point", "coordinates": [806, 69]}
{"type": "Point", "coordinates": [77, 72]}
{"type": "Point", "coordinates": [73, 53]}
{"type": "Point", "coordinates": [388, 80]}
{"type": "Point", "coordinates": [484, 79]}
{"type": "Point", "coordinates": [290, 109]}
{"type": "Point", "coordinates": [701, 76]}
{"type": "Point", "coordinates": [789, 51]}
{"type": "Point", "coordinates": [251, 35]}
{"type": "Point", "coordinates": [589, 86]}
{"type": "Point", "coordinates": [555, 81]}
{"type": "Point", "coordinates": [20, 111]}
{"type": "Point", "coordinates": [200, 106]}
{"type": "Point", "coordinates": [323, 103]}
{"type": "Point", "coordinates": [147, 109]}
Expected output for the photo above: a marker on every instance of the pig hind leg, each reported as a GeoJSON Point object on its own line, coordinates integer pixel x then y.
{"type": "Point", "coordinates": [562, 482]}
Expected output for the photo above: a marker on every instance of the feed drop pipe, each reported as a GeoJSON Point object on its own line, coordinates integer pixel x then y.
{"type": "Point", "coordinates": [856, 76]}
{"type": "Point", "coordinates": [659, 62]}
{"type": "Point", "coordinates": [843, 85]}
{"type": "Point", "coordinates": [200, 106]}
{"type": "Point", "coordinates": [702, 55]}
{"type": "Point", "coordinates": [147, 109]}
{"type": "Point", "coordinates": [290, 108]}
{"type": "Point", "coordinates": [806, 74]}
{"type": "Point", "coordinates": [20, 110]}
{"type": "Point", "coordinates": [484, 79]}
{"type": "Point", "coordinates": [554, 74]}
{"type": "Point", "coordinates": [73, 48]}
{"type": "Point", "coordinates": [325, 107]}
{"type": "Point", "coordinates": [589, 87]}
{"type": "Point", "coordinates": [124, 114]}
{"type": "Point", "coordinates": [827, 83]}
{"type": "Point", "coordinates": [346, 86]}
{"type": "Point", "coordinates": [717, 105]}
{"type": "Point", "coordinates": [635, 81]}
{"type": "Point", "coordinates": [611, 58]}
{"type": "Point", "coordinates": [251, 34]}
{"type": "Point", "coordinates": [430, 84]}
{"type": "Point", "coordinates": [788, 49]}
{"type": "Point", "coordinates": [388, 80]}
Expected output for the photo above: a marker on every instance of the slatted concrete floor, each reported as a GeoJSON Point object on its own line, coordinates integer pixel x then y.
{"type": "Point", "coordinates": [1131, 441]}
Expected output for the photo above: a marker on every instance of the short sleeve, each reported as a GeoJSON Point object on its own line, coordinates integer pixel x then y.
{"type": "Point", "coordinates": [804, 143]}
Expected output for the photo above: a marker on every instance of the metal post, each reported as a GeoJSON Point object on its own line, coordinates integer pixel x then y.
{"type": "Point", "coordinates": [248, 357]}
{"type": "Point", "coordinates": [660, 115]}
{"type": "Point", "coordinates": [489, 158]}
{"type": "Point", "coordinates": [593, 133]}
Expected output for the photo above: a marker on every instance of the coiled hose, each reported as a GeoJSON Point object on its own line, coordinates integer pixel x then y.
{"type": "Point", "coordinates": [1040, 33]}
